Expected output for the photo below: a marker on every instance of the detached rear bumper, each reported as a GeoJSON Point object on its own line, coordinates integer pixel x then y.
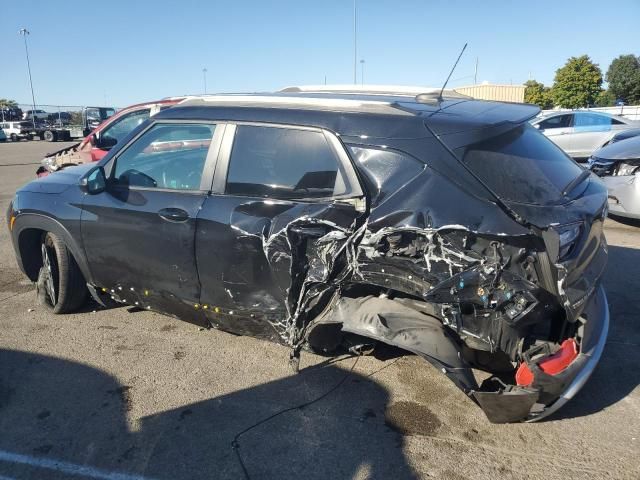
{"type": "Point", "coordinates": [548, 393]}
{"type": "Point", "coordinates": [576, 375]}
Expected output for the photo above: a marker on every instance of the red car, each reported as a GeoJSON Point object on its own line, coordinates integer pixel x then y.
{"type": "Point", "coordinates": [96, 145]}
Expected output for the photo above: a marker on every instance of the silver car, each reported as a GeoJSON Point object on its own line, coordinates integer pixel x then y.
{"type": "Point", "coordinates": [580, 133]}
{"type": "Point", "coordinates": [618, 165]}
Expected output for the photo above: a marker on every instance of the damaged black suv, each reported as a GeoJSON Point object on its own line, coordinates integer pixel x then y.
{"type": "Point", "coordinates": [319, 218]}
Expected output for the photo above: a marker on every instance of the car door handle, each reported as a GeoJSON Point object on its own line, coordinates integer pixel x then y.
{"type": "Point", "coordinates": [174, 214]}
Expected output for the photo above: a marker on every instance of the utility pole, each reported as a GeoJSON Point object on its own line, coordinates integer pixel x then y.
{"type": "Point", "coordinates": [362, 71]}
{"type": "Point", "coordinates": [204, 74]}
{"type": "Point", "coordinates": [24, 32]}
{"type": "Point", "coordinates": [355, 44]}
{"type": "Point", "coordinates": [475, 73]}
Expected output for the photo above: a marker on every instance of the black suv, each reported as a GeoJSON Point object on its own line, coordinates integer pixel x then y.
{"type": "Point", "coordinates": [321, 219]}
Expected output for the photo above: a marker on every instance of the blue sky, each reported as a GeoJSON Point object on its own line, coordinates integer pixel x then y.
{"type": "Point", "coordinates": [123, 52]}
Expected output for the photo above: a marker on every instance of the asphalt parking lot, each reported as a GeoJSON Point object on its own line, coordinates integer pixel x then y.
{"type": "Point", "coordinates": [111, 394]}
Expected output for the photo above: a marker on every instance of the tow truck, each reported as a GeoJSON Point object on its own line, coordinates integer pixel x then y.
{"type": "Point", "coordinates": [63, 126]}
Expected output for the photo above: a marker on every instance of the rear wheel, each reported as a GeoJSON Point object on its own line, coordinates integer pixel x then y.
{"type": "Point", "coordinates": [14, 137]}
{"type": "Point", "coordinates": [60, 286]}
{"type": "Point", "coordinates": [49, 136]}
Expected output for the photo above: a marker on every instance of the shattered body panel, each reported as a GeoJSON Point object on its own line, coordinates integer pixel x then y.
{"type": "Point", "coordinates": [427, 258]}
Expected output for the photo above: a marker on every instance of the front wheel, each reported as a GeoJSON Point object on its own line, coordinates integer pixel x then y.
{"type": "Point", "coordinates": [60, 286]}
{"type": "Point", "coordinates": [13, 137]}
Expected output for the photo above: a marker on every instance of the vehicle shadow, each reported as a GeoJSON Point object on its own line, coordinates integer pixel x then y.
{"type": "Point", "coordinates": [51, 408]}
{"type": "Point", "coordinates": [617, 374]}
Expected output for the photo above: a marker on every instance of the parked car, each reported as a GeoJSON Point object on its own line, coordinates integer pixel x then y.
{"type": "Point", "coordinates": [34, 114]}
{"type": "Point", "coordinates": [96, 145]}
{"type": "Point", "coordinates": [3, 137]}
{"type": "Point", "coordinates": [618, 165]}
{"type": "Point", "coordinates": [18, 130]}
{"type": "Point", "coordinates": [579, 133]}
{"type": "Point", "coordinates": [445, 226]}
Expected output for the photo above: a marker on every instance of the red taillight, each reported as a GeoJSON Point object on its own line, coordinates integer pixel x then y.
{"type": "Point", "coordinates": [552, 365]}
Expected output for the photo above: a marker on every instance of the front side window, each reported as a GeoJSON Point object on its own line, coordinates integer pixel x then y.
{"type": "Point", "coordinates": [170, 156]}
{"type": "Point", "coordinates": [123, 126]}
{"type": "Point", "coordinates": [559, 121]}
{"type": "Point", "coordinates": [284, 163]}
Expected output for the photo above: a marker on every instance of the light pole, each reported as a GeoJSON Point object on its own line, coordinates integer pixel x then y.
{"type": "Point", "coordinates": [355, 44]}
{"type": "Point", "coordinates": [24, 32]}
{"type": "Point", "coordinates": [204, 74]}
{"type": "Point", "coordinates": [362, 71]}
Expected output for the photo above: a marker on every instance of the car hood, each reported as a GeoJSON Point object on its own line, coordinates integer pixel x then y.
{"type": "Point", "coordinates": [622, 150]}
{"type": "Point", "coordinates": [57, 182]}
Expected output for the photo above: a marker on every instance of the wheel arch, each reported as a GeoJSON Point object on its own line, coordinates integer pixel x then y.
{"type": "Point", "coordinates": [28, 231]}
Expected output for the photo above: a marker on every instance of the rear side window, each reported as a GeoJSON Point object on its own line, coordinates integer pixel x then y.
{"type": "Point", "coordinates": [592, 120]}
{"type": "Point", "coordinates": [284, 163]}
{"type": "Point", "coordinates": [521, 165]}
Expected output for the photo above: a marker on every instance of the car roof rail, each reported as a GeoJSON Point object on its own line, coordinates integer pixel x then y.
{"type": "Point", "coordinates": [420, 94]}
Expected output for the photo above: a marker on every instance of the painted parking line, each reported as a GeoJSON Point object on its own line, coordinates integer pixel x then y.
{"type": "Point", "coordinates": [64, 467]}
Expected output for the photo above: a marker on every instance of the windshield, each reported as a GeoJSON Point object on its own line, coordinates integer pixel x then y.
{"type": "Point", "coordinates": [522, 166]}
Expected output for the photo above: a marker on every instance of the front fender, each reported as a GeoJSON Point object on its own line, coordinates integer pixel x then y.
{"type": "Point", "coordinates": [25, 222]}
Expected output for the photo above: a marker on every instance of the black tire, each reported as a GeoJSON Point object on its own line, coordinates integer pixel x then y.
{"type": "Point", "coordinates": [60, 286]}
{"type": "Point", "coordinates": [29, 137]}
{"type": "Point", "coordinates": [49, 136]}
{"type": "Point", "coordinates": [14, 137]}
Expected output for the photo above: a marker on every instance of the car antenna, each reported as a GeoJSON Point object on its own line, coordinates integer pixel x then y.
{"type": "Point", "coordinates": [451, 73]}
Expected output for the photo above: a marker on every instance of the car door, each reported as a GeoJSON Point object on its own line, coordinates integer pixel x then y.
{"type": "Point", "coordinates": [559, 129]}
{"type": "Point", "coordinates": [592, 130]}
{"type": "Point", "coordinates": [285, 201]}
{"type": "Point", "coordinates": [139, 234]}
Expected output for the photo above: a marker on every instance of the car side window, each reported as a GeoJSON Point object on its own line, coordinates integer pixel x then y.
{"type": "Point", "coordinates": [123, 126]}
{"type": "Point", "coordinates": [284, 163]}
{"type": "Point", "coordinates": [169, 156]}
{"type": "Point", "coordinates": [592, 120]}
{"type": "Point", "coordinates": [558, 121]}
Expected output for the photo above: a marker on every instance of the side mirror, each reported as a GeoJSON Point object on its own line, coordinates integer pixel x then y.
{"type": "Point", "coordinates": [94, 182]}
{"type": "Point", "coordinates": [93, 140]}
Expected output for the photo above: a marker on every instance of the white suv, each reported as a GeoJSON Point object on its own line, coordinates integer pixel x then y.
{"type": "Point", "coordinates": [17, 130]}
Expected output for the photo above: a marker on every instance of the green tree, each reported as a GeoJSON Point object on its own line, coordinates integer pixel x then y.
{"type": "Point", "coordinates": [5, 103]}
{"type": "Point", "coordinates": [577, 83]}
{"type": "Point", "coordinates": [605, 99]}
{"type": "Point", "coordinates": [623, 76]}
{"type": "Point", "coordinates": [537, 94]}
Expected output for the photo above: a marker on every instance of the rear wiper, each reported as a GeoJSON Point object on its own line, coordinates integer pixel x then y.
{"type": "Point", "coordinates": [575, 182]}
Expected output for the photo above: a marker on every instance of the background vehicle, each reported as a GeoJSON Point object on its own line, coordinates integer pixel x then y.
{"type": "Point", "coordinates": [34, 115]}
{"type": "Point", "coordinates": [618, 165]}
{"type": "Point", "coordinates": [325, 219]}
{"type": "Point", "coordinates": [77, 124]}
{"type": "Point", "coordinates": [96, 145]}
{"type": "Point", "coordinates": [579, 133]}
{"type": "Point", "coordinates": [18, 130]}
